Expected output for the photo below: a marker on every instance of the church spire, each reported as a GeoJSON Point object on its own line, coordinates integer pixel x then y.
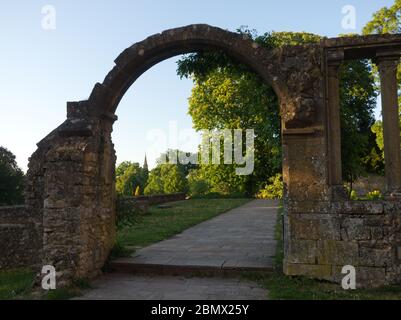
{"type": "Point", "coordinates": [145, 164]}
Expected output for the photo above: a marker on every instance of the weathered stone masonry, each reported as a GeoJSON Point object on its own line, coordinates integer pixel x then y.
{"type": "Point", "coordinates": [71, 175]}
{"type": "Point", "coordinates": [20, 237]}
{"type": "Point", "coordinates": [323, 236]}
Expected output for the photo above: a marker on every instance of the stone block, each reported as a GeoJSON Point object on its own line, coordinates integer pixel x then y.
{"type": "Point", "coordinates": [375, 255]}
{"type": "Point", "coordinates": [399, 252]}
{"type": "Point", "coordinates": [308, 270]}
{"type": "Point", "coordinates": [370, 277]}
{"type": "Point", "coordinates": [355, 229]}
{"type": "Point", "coordinates": [334, 252]}
{"type": "Point", "coordinates": [302, 251]}
{"type": "Point", "coordinates": [21, 236]}
{"type": "Point", "coordinates": [304, 229]}
{"type": "Point", "coordinates": [376, 233]}
{"type": "Point", "coordinates": [317, 227]}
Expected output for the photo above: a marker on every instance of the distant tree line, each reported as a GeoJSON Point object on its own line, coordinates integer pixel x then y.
{"type": "Point", "coordinates": [11, 179]}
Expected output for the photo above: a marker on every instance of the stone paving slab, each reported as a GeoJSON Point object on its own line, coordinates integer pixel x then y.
{"type": "Point", "coordinates": [242, 238]}
{"type": "Point", "coordinates": [136, 287]}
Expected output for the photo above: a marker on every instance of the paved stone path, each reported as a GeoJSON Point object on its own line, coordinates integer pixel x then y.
{"type": "Point", "coordinates": [242, 238]}
{"type": "Point", "coordinates": [142, 287]}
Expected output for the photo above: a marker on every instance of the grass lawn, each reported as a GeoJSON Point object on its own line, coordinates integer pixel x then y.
{"type": "Point", "coordinates": [18, 284]}
{"type": "Point", "coordinates": [15, 283]}
{"type": "Point", "coordinates": [160, 224]}
{"type": "Point", "coordinates": [281, 287]}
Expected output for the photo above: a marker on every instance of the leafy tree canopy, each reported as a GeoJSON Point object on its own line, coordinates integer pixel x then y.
{"type": "Point", "coordinates": [11, 179]}
{"type": "Point", "coordinates": [129, 176]}
{"type": "Point", "coordinates": [385, 20]}
{"type": "Point", "coordinates": [166, 179]}
{"type": "Point", "coordinates": [227, 94]}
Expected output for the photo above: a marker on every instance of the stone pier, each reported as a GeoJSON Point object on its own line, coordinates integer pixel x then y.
{"type": "Point", "coordinates": [388, 65]}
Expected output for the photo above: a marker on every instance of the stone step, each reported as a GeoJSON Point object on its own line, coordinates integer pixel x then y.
{"type": "Point", "coordinates": [181, 270]}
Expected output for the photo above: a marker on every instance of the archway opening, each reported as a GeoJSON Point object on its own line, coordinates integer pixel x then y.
{"type": "Point", "coordinates": [231, 102]}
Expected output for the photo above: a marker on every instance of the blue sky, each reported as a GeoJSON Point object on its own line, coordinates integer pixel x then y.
{"type": "Point", "coordinates": [42, 69]}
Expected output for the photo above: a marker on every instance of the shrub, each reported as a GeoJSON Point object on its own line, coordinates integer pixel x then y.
{"type": "Point", "coordinates": [137, 191]}
{"type": "Point", "coordinates": [166, 179]}
{"type": "Point", "coordinates": [273, 189]}
{"type": "Point", "coordinates": [353, 195]}
{"type": "Point", "coordinates": [129, 176]}
{"type": "Point", "coordinates": [128, 213]}
{"type": "Point", "coordinates": [374, 195]}
{"type": "Point", "coordinates": [198, 186]}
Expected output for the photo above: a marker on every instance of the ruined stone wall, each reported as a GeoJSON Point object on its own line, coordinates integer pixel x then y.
{"type": "Point", "coordinates": [20, 237]}
{"type": "Point", "coordinates": [366, 235]}
{"type": "Point", "coordinates": [163, 198]}
{"type": "Point", "coordinates": [324, 232]}
{"type": "Point", "coordinates": [71, 180]}
{"type": "Point", "coordinates": [142, 203]}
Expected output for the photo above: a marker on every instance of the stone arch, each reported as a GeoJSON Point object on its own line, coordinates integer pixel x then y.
{"type": "Point", "coordinates": [71, 175]}
{"type": "Point", "coordinates": [141, 56]}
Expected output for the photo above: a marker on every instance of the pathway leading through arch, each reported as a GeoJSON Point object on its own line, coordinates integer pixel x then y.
{"type": "Point", "coordinates": [241, 239]}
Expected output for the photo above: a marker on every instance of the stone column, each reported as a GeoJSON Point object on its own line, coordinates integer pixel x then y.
{"type": "Point", "coordinates": [391, 127]}
{"type": "Point", "coordinates": [334, 123]}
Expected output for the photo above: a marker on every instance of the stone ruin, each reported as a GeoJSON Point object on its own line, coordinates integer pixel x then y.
{"type": "Point", "coordinates": [68, 220]}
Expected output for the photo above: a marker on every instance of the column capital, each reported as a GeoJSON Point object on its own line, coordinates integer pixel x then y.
{"type": "Point", "coordinates": [335, 57]}
{"type": "Point", "coordinates": [387, 60]}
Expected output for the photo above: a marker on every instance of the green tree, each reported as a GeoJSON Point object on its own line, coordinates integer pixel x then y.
{"type": "Point", "coordinates": [173, 156]}
{"type": "Point", "coordinates": [227, 94]}
{"type": "Point", "coordinates": [173, 178]}
{"type": "Point", "coordinates": [129, 176]}
{"type": "Point", "coordinates": [273, 189]}
{"type": "Point", "coordinates": [155, 182]}
{"type": "Point", "coordinates": [11, 179]}
{"type": "Point", "coordinates": [122, 167]}
{"type": "Point", "coordinates": [386, 20]}
{"type": "Point", "coordinates": [358, 100]}
{"type": "Point", "coordinates": [198, 184]}
{"type": "Point", "coordinates": [166, 179]}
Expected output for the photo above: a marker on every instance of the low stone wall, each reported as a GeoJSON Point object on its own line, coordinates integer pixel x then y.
{"type": "Point", "coordinates": [162, 198]}
{"type": "Point", "coordinates": [20, 237]}
{"type": "Point", "coordinates": [129, 208]}
{"type": "Point", "coordinates": [21, 230]}
{"type": "Point", "coordinates": [366, 235]}
{"type": "Point", "coordinates": [139, 205]}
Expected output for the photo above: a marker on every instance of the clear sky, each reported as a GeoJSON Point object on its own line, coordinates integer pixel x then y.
{"type": "Point", "coordinates": [42, 69]}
